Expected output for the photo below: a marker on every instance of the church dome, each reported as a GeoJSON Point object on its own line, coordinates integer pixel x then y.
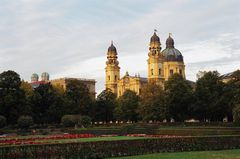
{"type": "Point", "coordinates": [155, 38]}
{"type": "Point", "coordinates": [34, 77]}
{"type": "Point", "coordinates": [170, 53]}
{"type": "Point", "coordinates": [45, 76]}
{"type": "Point", "coordinates": [112, 48]}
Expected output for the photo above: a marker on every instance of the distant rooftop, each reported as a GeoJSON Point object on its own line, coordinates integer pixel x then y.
{"type": "Point", "coordinates": [71, 78]}
{"type": "Point", "coordinates": [227, 75]}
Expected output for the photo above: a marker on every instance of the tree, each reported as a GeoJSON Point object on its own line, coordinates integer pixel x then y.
{"type": "Point", "coordinates": [209, 102]}
{"type": "Point", "coordinates": [78, 97]}
{"type": "Point", "coordinates": [127, 106]}
{"type": "Point", "coordinates": [12, 101]}
{"type": "Point", "coordinates": [236, 81]}
{"type": "Point", "coordinates": [47, 104]}
{"type": "Point", "coordinates": [85, 121]}
{"type": "Point", "coordinates": [27, 88]}
{"type": "Point", "coordinates": [231, 94]}
{"type": "Point", "coordinates": [152, 103]}
{"type": "Point", "coordinates": [3, 121]}
{"type": "Point", "coordinates": [28, 93]}
{"type": "Point", "coordinates": [9, 80]}
{"type": "Point", "coordinates": [236, 113]}
{"type": "Point", "coordinates": [105, 105]}
{"type": "Point", "coordinates": [58, 106]}
{"type": "Point", "coordinates": [179, 95]}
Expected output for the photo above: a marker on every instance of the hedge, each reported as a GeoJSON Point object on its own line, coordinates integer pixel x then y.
{"type": "Point", "coordinates": [155, 129]}
{"type": "Point", "coordinates": [100, 149]}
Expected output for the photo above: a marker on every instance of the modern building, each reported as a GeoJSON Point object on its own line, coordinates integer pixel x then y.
{"type": "Point", "coordinates": [162, 64]}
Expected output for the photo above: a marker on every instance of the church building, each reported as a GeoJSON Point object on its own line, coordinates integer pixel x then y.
{"type": "Point", "coordinates": [162, 64]}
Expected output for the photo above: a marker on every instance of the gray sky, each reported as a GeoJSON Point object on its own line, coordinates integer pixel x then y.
{"type": "Point", "coordinates": [69, 38]}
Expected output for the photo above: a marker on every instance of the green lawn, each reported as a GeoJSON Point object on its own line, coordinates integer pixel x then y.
{"type": "Point", "coordinates": [226, 154]}
{"type": "Point", "coordinates": [95, 139]}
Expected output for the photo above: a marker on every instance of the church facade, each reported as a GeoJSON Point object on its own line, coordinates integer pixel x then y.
{"type": "Point", "coordinates": [162, 64]}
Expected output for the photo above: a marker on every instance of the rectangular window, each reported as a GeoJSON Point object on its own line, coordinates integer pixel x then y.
{"type": "Point", "coordinates": [109, 78]}
{"type": "Point", "coordinates": [160, 71]}
{"type": "Point", "coordinates": [115, 78]}
{"type": "Point", "coordinates": [171, 72]}
{"type": "Point", "coordinates": [180, 72]}
{"type": "Point", "coordinates": [152, 71]}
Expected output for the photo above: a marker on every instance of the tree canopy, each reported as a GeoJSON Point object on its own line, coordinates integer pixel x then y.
{"type": "Point", "coordinates": [12, 101]}
{"type": "Point", "coordinates": [179, 96]}
{"type": "Point", "coordinates": [209, 104]}
{"type": "Point", "coordinates": [127, 107]}
{"type": "Point", "coordinates": [105, 105]}
{"type": "Point", "coordinates": [152, 105]}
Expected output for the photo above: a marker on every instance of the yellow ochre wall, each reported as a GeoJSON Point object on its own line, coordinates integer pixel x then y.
{"type": "Point", "coordinates": [175, 66]}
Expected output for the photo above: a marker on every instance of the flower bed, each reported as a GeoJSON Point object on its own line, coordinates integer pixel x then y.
{"type": "Point", "coordinates": [57, 138]}
{"type": "Point", "coordinates": [39, 139]}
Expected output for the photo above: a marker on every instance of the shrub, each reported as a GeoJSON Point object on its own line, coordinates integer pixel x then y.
{"type": "Point", "coordinates": [85, 121]}
{"type": "Point", "coordinates": [3, 121]}
{"type": "Point", "coordinates": [24, 122]}
{"type": "Point", "coordinates": [70, 120]}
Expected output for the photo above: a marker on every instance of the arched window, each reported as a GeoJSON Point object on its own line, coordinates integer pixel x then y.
{"type": "Point", "coordinates": [115, 77]}
{"type": "Point", "coordinates": [109, 78]}
{"type": "Point", "coordinates": [151, 71]}
{"type": "Point", "coordinates": [160, 71]}
{"type": "Point", "coordinates": [171, 72]}
{"type": "Point", "coordinates": [180, 71]}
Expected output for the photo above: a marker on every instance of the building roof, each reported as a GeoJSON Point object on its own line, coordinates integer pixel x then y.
{"type": "Point", "coordinates": [155, 38]}
{"type": "Point", "coordinates": [169, 42]}
{"type": "Point", "coordinates": [227, 75]}
{"type": "Point", "coordinates": [112, 48]}
{"type": "Point", "coordinates": [143, 79]}
{"type": "Point", "coordinates": [71, 78]}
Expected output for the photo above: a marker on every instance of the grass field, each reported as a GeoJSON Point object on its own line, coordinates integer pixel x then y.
{"type": "Point", "coordinates": [97, 139]}
{"type": "Point", "coordinates": [226, 154]}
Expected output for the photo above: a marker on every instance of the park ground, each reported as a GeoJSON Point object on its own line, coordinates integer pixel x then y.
{"type": "Point", "coordinates": [226, 154]}
{"type": "Point", "coordinates": [148, 141]}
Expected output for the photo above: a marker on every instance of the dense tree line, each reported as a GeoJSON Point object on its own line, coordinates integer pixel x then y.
{"type": "Point", "coordinates": [209, 99]}
{"type": "Point", "coordinates": [46, 104]}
